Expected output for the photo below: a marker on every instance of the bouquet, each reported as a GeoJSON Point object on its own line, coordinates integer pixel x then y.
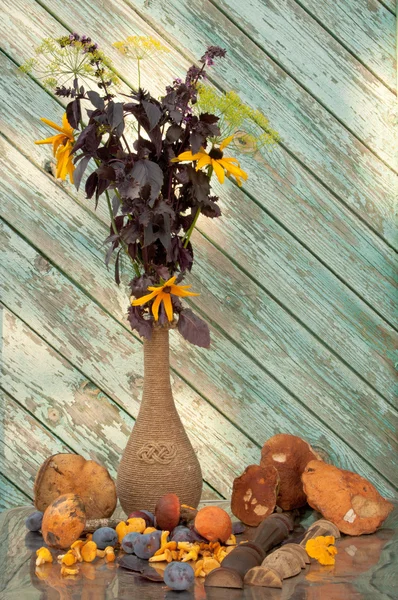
{"type": "Point", "coordinates": [152, 160]}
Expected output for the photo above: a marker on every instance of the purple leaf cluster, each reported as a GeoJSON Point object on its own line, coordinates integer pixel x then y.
{"type": "Point", "coordinates": [154, 201]}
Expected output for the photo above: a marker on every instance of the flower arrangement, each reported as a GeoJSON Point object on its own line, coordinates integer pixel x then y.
{"type": "Point", "coordinates": [157, 181]}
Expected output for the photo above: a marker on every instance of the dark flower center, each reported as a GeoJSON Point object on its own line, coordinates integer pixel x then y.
{"type": "Point", "coordinates": [167, 289]}
{"type": "Point", "coordinates": [216, 153]}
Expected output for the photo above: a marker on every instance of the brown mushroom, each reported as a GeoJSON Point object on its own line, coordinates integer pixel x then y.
{"type": "Point", "coordinates": [263, 577]}
{"type": "Point", "coordinates": [167, 512]}
{"type": "Point", "coordinates": [289, 454]}
{"type": "Point", "coordinates": [254, 494]}
{"type": "Point", "coordinates": [65, 520]}
{"type": "Point", "coordinates": [213, 523]}
{"type": "Point", "coordinates": [72, 474]}
{"type": "Point", "coordinates": [346, 499]}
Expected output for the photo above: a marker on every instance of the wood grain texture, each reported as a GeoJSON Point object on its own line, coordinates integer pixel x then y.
{"type": "Point", "coordinates": [39, 219]}
{"type": "Point", "coordinates": [331, 232]}
{"type": "Point", "coordinates": [366, 28]}
{"type": "Point", "coordinates": [309, 132]}
{"type": "Point", "coordinates": [374, 362]}
{"type": "Point", "coordinates": [323, 67]}
{"type": "Point", "coordinates": [315, 382]}
{"type": "Point", "coordinates": [295, 270]}
{"type": "Point", "coordinates": [112, 358]}
{"type": "Point", "coordinates": [10, 495]}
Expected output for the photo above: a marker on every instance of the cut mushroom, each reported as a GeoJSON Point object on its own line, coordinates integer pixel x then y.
{"type": "Point", "coordinates": [72, 474]}
{"type": "Point", "coordinates": [254, 494]}
{"type": "Point", "coordinates": [345, 498]}
{"type": "Point", "coordinates": [289, 454]}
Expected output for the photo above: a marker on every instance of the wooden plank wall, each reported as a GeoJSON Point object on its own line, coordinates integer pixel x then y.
{"type": "Point", "coordinates": [297, 280]}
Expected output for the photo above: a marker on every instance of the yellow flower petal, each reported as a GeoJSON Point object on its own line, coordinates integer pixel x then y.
{"type": "Point", "coordinates": [52, 124]}
{"type": "Point", "coordinates": [218, 169]}
{"type": "Point", "coordinates": [203, 161]}
{"type": "Point", "coordinates": [49, 140]}
{"type": "Point", "coordinates": [170, 281]}
{"type": "Point", "coordinates": [156, 305]}
{"type": "Point", "coordinates": [144, 299]}
{"type": "Point", "coordinates": [168, 306]}
{"type": "Point", "coordinates": [177, 291]}
{"type": "Point", "coordinates": [225, 142]}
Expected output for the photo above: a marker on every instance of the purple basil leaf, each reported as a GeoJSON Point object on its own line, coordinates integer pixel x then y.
{"type": "Point", "coordinates": [96, 100]}
{"type": "Point", "coordinates": [115, 205]}
{"type": "Point", "coordinates": [78, 172]}
{"type": "Point", "coordinates": [153, 113]}
{"type": "Point", "coordinates": [173, 133]}
{"type": "Point", "coordinates": [196, 141]}
{"type": "Point", "coordinates": [73, 113]}
{"type": "Point", "coordinates": [91, 184]}
{"type": "Point", "coordinates": [194, 329]}
{"type": "Point", "coordinates": [117, 269]}
{"type": "Point", "coordinates": [137, 322]}
{"type": "Point", "coordinates": [115, 114]}
{"type": "Point", "coordinates": [146, 171]}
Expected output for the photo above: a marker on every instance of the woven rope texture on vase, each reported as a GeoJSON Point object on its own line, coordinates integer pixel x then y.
{"type": "Point", "coordinates": [159, 457]}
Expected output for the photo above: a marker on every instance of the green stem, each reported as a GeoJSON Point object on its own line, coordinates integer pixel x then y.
{"type": "Point", "coordinates": [190, 230]}
{"type": "Point", "coordinates": [115, 231]}
{"type": "Point", "coordinates": [139, 72]}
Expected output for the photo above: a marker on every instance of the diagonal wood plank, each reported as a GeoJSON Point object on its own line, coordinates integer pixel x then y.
{"type": "Point", "coordinates": [66, 407]}
{"type": "Point", "coordinates": [10, 495]}
{"type": "Point", "coordinates": [308, 131]}
{"type": "Point", "coordinates": [111, 357]}
{"type": "Point", "coordinates": [366, 28]}
{"type": "Point", "coordinates": [375, 362]}
{"type": "Point", "coordinates": [316, 382]}
{"type": "Point", "coordinates": [322, 66]}
{"type": "Point", "coordinates": [311, 134]}
{"type": "Point", "coordinates": [274, 417]}
{"type": "Point", "coordinates": [328, 230]}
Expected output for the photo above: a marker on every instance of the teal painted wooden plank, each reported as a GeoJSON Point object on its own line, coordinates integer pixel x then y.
{"type": "Point", "coordinates": [390, 4]}
{"type": "Point", "coordinates": [317, 382]}
{"type": "Point", "coordinates": [307, 130]}
{"type": "Point", "coordinates": [275, 413]}
{"type": "Point", "coordinates": [321, 223]}
{"type": "Point", "coordinates": [366, 28]}
{"type": "Point", "coordinates": [362, 182]}
{"type": "Point", "coordinates": [112, 358]}
{"type": "Point", "coordinates": [356, 331]}
{"type": "Point", "coordinates": [313, 57]}
{"type": "Point", "coordinates": [11, 496]}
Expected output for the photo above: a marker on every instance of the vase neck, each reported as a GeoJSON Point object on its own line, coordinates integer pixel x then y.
{"type": "Point", "coordinates": [156, 363]}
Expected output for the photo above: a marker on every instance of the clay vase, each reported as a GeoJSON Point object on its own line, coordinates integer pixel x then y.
{"type": "Point", "coordinates": [159, 458]}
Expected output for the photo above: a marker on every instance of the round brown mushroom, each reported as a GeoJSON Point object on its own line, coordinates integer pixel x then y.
{"type": "Point", "coordinates": [63, 521]}
{"type": "Point", "coordinates": [72, 474]}
{"type": "Point", "coordinates": [254, 494]}
{"type": "Point", "coordinates": [290, 455]}
{"type": "Point", "coordinates": [346, 499]}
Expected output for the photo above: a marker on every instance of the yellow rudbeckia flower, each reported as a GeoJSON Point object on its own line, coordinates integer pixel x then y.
{"type": "Point", "coordinates": [62, 147]}
{"type": "Point", "coordinates": [215, 158]}
{"type": "Point", "coordinates": [321, 548]}
{"type": "Point", "coordinates": [162, 294]}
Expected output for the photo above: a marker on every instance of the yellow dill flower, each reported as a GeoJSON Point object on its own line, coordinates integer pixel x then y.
{"type": "Point", "coordinates": [139, 46]}
{"type": "Point", "coordinates": [62, 147]}
{"type": "Point", "coordinates": [215, 158]}
{"type": "Point", "coordinates": [234, 114]}
{"type": "Point", "coordinates": [322, 549]}
{"type": "Point", "coordinates": [162, 294]}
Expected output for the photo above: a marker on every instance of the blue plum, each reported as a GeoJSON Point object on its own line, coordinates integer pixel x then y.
{"type": "Point", "coordinates": [180, 534]}
{"type": "Point", "coordinates": [147, 544]}
{"type": "Point", "coordinates": [105, 536]}
{"type": "Point", "coordinates": [34, 521]}
{"type": "Point", "coordinates": [179, 576]}
{"type": "Point", "coordinates": [128, 542]}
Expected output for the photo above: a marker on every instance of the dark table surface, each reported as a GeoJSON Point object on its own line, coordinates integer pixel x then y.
{"type": "Point", "coordinates": [366, 568]}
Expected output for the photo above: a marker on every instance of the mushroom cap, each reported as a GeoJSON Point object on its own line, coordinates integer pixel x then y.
{"type": "Point", "coordinates": [213, 523]}
{"type": "Point", "coordinates": [254, 494]}
{"type": "Point", "coordinates": [346, 499]}
{"type": "Point", "coordinates": [63, 521]}
{"type": "Point", "coordinates": [290, 455]}
{"type": "Point", "coordinates": [72, 474]}
{"type": "Point", "coordinates": [167, 512]}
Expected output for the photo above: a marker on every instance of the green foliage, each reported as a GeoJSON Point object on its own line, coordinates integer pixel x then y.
{"type": "Point", "coordinates": [236, 118]}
